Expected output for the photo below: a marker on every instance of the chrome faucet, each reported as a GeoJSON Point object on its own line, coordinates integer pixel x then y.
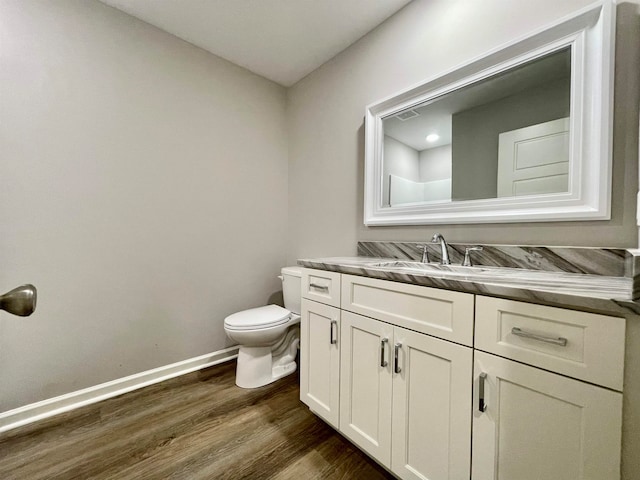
{"type": "Point", "coordinates": [437, 238]}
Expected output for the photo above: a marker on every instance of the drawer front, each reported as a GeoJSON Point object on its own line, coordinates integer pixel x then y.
{"type": "Point", "coordinates": [582, 345]}
{"type": "Point", "coordinates": [321, 286]}
{"type": "Point", "coordinates": [441, 313]}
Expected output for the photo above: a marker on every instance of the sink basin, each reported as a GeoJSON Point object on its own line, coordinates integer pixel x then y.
{"type": "Point", "coordinates": [434, 268]}
{"type": "Point", "coordinates": [484, 274]}
{"type": "Point", "coordinates": [506, 276]}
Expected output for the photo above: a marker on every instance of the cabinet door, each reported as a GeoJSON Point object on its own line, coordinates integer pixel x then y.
{"type": "Point", "coordinates": [320, 360]}
{"type": "Point", "coordinates": [365, 376]}
{"type": "Point", "coordinates": [538, 424]}
{"type": "Point", "coordinates": [431, 408]}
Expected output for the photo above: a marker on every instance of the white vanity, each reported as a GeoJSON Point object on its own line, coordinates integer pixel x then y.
{"type": "Point", "coordinates": [439, 384]}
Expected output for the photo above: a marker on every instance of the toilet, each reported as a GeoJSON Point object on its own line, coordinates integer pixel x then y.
{"type": "Point", "coordinates": [268, 336]}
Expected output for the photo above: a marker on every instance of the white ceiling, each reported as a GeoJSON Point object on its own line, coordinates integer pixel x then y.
{"type": "Point", "coordinates": [282, 40]}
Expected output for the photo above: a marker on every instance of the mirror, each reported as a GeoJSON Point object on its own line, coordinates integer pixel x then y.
{"type": "Point", "coordinates": [521, 134]}
{"type": "Point", "coordinates": [463, 145]}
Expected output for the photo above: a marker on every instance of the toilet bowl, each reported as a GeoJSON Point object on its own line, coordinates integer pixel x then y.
{"type": "Point", "coordinates": [268, 336]}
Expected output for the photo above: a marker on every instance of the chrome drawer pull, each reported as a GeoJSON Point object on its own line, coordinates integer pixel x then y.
{"type": "Point", "coordinates": [482, 406]}
{"type": "Point", "coordinates": [541, 338]}
{"type": "Point", "coordinates": [319, 287]}
{"type": "Point", "coordinates": [383, 344]}
{"type": "Point", "coordinates": [333, 339]}
{"type": "Point", "coordinates": [396, 363]}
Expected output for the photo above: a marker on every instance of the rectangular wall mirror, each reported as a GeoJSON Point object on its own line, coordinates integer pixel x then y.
{"type": "Point", "coordinates": [520, 134]}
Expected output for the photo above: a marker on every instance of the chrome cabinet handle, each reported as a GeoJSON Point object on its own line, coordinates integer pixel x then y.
{"type": "Point", "coordinates": [333, 339]}
{"type": "Point", "coordinates": [540, 338]}
{"type": "Point", "coordinates": [383, 344]}
{"type": "Point", "coordinates": [319, 287]}
{"type": "Point", "coordinates": [396, 363]}
{"type": "Point", "coordinates": [482, 406]}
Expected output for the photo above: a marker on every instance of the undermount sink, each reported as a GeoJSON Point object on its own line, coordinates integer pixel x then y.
{"type": "Point", "coordinates": [507, 276]}
{"type": "Point", "coordinates": [483, 274]}
{"type": "Point", "coordinates": [434, 268]}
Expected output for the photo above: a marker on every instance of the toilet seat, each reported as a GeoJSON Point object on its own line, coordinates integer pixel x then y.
{"type": "Point", "coordinates": [258, 318]}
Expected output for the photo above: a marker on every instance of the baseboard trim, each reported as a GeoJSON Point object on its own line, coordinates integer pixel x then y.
{"type": "Point", "coordinates": [47, 408]}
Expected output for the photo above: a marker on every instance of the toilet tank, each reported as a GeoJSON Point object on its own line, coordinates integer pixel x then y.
{"type": "Point", "coordinates": [291, 288]}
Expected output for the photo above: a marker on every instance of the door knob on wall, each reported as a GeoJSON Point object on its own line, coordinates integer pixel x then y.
{"type": "Point", "coordinates": [20, 301]}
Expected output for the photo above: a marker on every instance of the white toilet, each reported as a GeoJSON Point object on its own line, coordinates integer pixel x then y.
{"type": "Point", "coordinates": [268, 336]}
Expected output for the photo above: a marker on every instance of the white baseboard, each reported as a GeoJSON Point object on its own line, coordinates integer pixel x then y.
{"type": "Point", "coordinates": [69, 401]}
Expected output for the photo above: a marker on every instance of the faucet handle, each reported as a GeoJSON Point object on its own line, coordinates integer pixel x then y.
{"type": "Point", "coordinates": [425, 253]}
{"type": "Point", "coordinates": [467, 255]}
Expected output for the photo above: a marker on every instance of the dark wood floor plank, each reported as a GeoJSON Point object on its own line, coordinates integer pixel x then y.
{"type": "Point", "coordinates": [243, 436]}
{"type": "Point", "coordinates": [197, 426]}
{"type": "Point", "coordinates": [159, 412]}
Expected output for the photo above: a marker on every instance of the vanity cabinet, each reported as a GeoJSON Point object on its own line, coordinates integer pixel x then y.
{"type": "Point", "coordinates": [424, 380]}
{"type": "Point", "coordinates": [404, 384]}
{"type": "Point", "coordinates": [405, 398]}
{"type": "Point", "coordinates": [530, 423]}
{"type": "Point", "coordinates": [383, 371]}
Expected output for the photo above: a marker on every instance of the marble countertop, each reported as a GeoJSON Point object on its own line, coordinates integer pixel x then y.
{"type": "Point", "coordinates": [594, 293]}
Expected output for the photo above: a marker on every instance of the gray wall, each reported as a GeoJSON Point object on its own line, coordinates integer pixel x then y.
{"type": "Point", "coordinates": [326, 129]}
{"type": "Point", "coordinates": [143, 179]}
{"type": "Point", "coordinates": [435, 163]}
{"type": "Point", "coordinates": [475, 135]}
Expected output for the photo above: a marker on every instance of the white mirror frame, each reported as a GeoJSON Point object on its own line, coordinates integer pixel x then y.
{"type": "Point", "coordinates": [590, 33]}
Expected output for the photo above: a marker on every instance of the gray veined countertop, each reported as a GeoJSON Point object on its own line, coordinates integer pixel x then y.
{"type": "Point", "coordinates": [593, 293]}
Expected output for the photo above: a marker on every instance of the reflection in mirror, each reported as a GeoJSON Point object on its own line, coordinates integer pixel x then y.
{"type": "Point", "coordinates": [504, 136]}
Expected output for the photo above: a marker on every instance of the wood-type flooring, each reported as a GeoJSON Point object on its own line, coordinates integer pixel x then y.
{"type": "Point", "coordinates": [197, 426]}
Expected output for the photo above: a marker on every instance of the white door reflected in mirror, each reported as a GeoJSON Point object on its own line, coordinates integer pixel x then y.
{"type": "Point", "coordinates": [534, 160]}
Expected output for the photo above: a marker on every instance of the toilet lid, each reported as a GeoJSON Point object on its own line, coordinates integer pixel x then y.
{"type": "Point", "coordinates": [257, 318]}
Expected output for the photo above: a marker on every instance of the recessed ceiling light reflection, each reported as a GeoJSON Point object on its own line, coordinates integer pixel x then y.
{"type": "Point", "coordinates": [432, 137]}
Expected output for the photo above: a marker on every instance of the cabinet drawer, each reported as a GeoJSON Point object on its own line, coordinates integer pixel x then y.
{"type": "Point", "coordinates": [321, 286]}
{"type": "Point", "coordinates": [441, 313]}
{"type": "Point", "coordinates": [582, 345]}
